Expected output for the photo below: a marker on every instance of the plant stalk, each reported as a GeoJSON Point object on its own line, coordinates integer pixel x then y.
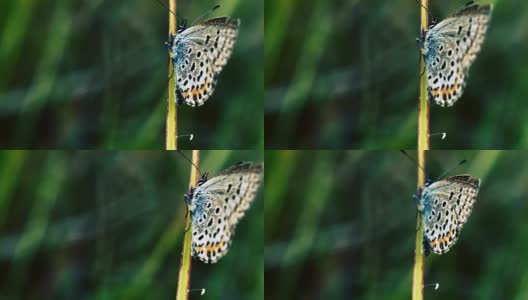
{"type": "Point", "coordinates": [184, 276]}
{"type": "Point", "coordinates": [423, 104]}
{"type": "Point", "coordinates": [423, 145]}
{"type": "Point", "coordinates": [171, 141]}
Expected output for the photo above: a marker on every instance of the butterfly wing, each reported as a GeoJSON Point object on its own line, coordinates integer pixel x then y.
{"type": "Point", "coordinates": [468, 188]}
{"type": "Point", "coordinates": [200, 53]}
{"type": "Point", "coordinates": [446, 207]}
{"type": "Point", "coordinates": [439, 219]}
{"type": "Point", "coordinates": [450, 48]}
{"type": "Point", "coordinates": [217, 206]}
{"type": "Point", "coordinates": [445, 78]}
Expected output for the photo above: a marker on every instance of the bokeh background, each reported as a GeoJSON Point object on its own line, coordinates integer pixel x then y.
{"type": "Point", "coordinates": [341, 225]}
{"type": "Point", "coordinates": [344, 75]}
{"type": "Point", "coordinates": [109, 225]}
{"type": "Point", "coordinates": [93, 75]}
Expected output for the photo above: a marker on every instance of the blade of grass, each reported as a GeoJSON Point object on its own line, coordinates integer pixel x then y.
{"type": "Point", "coordinates": [39, 218]}
{"type": "Point", "coordinates": [423, 105]}
{"type": "Point", "coordinates": [417, 293]}
{"type": "Point", "coordinates": [185, 266]}
{"type": "Point", "coordinates": [423, 145]}
{"type": "Point", "coordinates": [172, 113]}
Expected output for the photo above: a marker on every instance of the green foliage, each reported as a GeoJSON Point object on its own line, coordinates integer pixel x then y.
{"type": "Point", "coordinates": [93, 74]}
{"type": "Point", "coordinates": [344, 74]}
{"type": "Point", "coordinates": [344, 227]}
{"type": "Point", "coordinates": [109, 225]}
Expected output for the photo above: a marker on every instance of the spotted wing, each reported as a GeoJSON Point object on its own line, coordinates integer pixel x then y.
{"type": "Point", "coordinates": [439, 220]}
{"type": "Point", "coordinates": [445, 78]}
{"type": "Point", "coordinates": [219, 203]}
{"type": "Point", "coordinates": [468, 188]}
{"type": "Point", "coordinates": [452, 46]}
{"type": "Point", "coordinates": [201, 53]}
{"type": "Point", "coordinates": [447, 205]}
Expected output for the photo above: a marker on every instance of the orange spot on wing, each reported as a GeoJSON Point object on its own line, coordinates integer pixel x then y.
{"type": "Point", "coordinates": [211, 247]}
{"type": "Point", "coordinates": [444, 239]}
{"type": "Point", "coordinates": [446, 90]}
{"type": "Point", "coordinates": [196, 91]}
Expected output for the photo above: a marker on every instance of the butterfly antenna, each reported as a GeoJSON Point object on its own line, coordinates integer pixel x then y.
{"type": "Point", "coordinates": [450, 170]}
{"type": "Point", "coordinates": [413, 160]}
{"type": "Point", "coordinates": [187, 158]}
{"type": "Point", "coordinates": [443, 134]}
{"type": "Point", "coordinates": [202, 291]}
{"type": "Point", "coordinates": [430, 15]}
{"type": "Point", "coordinates": [469, 3]}
{"type": "Point", "coordinates": [164, 5]}
{"type": "Point", "coordinates": [435, 285]}
{"type": "Point", "coordinates": [191, 136]}
{"type": "Point", "coordinates": [206, 13]}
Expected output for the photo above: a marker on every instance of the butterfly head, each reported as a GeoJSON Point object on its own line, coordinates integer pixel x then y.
{"type": "Point", "coordinates": [428, 182]}
{"type": "Point", "coordinates": [182, 26]}
{"type": "Point", "coordinates": [190, 194]}
{"type": "Point", "coordinates": [203, 179]}
{"type": "Point", "coordinates": [433, 23]}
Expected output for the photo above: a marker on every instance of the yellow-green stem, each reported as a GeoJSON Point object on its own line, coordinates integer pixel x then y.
{"type": "Point", "coordinates": [417, 289]}
{"type": "Point", "coordinates": [171, 141]}
{"type": "Point", "coordinates": [423, 105]}
{"type": "Point", "coordinates": [184, 276]}
{"type": "Point", "coordinates": [423, 145]}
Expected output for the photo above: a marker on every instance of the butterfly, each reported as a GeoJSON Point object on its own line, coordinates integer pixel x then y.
{"type": "Point", "coordinates": [216, 205]}
{"type": "Point", "coordinates": [199, 53]}
{"type": "Point", "coordinates": [450, 48]}
{"type": "Point", "coordinates": [445, 206]}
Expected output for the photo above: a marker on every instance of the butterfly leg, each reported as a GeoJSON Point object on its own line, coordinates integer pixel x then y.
{"type": "Point", "coordinates": [169, 43]}
{"type": "Point", "coordinates": [420, 224]}
{"type": "Point", "coordinates": [172, 73]}
{"type": "Point", "coordinates": [187, 197]}
{"type": "Point", "coordinates": [421, 74]}
{"type": "Point", "coordinates": [419, 41]}
{"type": "Point", "coordinates": [416, 199]}
{"type": "Point", "coordinates": [186, 215]}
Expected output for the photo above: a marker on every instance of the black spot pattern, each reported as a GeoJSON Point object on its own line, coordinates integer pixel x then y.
{"type": "Point", "coordinates": [200, 53]}
{"type": "Point", "coordinates": [450, 48]}
{"type": "Point", "coordinates": [450, 201]}
{"type": "Point", "coordinates": [211, 239]}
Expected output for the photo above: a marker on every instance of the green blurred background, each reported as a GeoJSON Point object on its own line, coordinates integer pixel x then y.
{"type": "Point", "coordinates": [344, 74]}
{"type": "Point", "coordinates": [93, 74]}
{"type": "Point", "coordinates": [341, 225]}
{"type": "Point", "coordinates": [109, 225]}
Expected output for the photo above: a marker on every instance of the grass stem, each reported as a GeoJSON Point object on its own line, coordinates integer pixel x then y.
{"type": "Point", "coordinates": [185, 266]}
{"type": "Point", "coordinates": [171, 141]}
{"type": "Point", "coordinates": [423, 145]}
